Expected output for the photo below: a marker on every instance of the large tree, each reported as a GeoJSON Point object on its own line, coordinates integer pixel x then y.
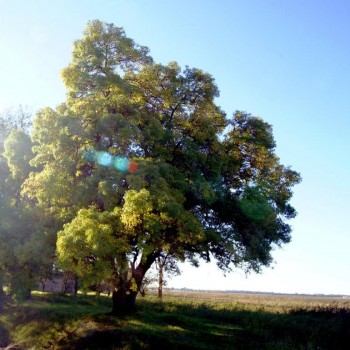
{"type": "Point", "coordinates": [140, 163]}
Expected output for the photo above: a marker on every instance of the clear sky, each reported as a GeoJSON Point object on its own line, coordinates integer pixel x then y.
{"type": "Point", "coordinates": [286, 61]}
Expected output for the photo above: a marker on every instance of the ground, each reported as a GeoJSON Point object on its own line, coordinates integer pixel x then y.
{"type": "Point", "coordinates": [183, 320]}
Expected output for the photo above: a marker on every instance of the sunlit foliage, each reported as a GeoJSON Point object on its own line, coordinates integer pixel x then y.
{"type": "Point", "coordinates": [140, 162]}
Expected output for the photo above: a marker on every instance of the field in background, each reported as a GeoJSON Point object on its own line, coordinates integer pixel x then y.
{"type": "Point", "coordinates": [183, 320]}
{"type": "Point", "coordinates": [272, 302]}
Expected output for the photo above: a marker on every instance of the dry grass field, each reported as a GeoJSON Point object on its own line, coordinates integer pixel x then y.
{"type": "Point", "coordinates": [257, 301]}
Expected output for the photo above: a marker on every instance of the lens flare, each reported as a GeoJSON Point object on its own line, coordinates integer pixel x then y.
{"type": "Point", "coordinates": [104, 159]}
{"type": "Point", "coordinates": [121, 164]}
{"type": "Point", "coordinates": [132, 166]}
{"type": "Point", "coordinates": [109, 160]}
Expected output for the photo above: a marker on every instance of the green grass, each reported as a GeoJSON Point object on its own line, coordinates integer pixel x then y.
{"type": "Point", "coordinates": [183, 320]}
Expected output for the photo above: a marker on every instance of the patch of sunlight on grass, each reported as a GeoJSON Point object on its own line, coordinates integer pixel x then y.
{"type": "Point", "coordinates": [25, 333]}
{"type": "Point", "coordinates": [159, 329]}
{"type": "Point", "coordinates": [137, 323]}
{"type": "Point", "coordinates": [144, 328]}
{"type": "Point", "coordinates": [224, 327]}
{"type": "Point", "coordinates": [218, 334]}
{"type": "Point", "coordinates": [39, 292]}
{"type": "Point", "coordinates": [175, 328]}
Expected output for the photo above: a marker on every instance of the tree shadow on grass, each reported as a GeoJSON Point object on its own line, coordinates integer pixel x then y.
{"type": "Point", "coordinates": [156, 325]}
{"type": "Point", "coordinates": [178, 326]}
{"type": "Point", "coordinates": [44, 320]}
{"type": "Point", "coordinates": [4, 337]}
{"type": "Point", "coordinates": [4, 334]}
{"type": "Point", "coordinates": [81, 323]}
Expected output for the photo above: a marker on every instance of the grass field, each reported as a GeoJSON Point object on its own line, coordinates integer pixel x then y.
{"type": "Point", "coordinates": [183, 320]}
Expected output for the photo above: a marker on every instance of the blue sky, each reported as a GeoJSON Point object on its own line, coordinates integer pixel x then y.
{"type": "Point", "coordinates": [286, 61]}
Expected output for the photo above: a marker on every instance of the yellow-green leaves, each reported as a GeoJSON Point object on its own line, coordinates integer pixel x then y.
{"type": "Point", "coordinates": [90, 243]}
{"type": "Point", "coordinates": [99, 58]}
{"type": "Point", "coordinates": [137, 208]}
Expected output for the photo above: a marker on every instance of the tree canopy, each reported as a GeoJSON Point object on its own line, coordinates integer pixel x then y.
{"type": "Point", "coordinates": [24, 245]}
{"type": "Point", "coordinates": [140, 162]}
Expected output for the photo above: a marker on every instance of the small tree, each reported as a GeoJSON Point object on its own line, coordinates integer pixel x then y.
{"type": "Point", "coordinates": [26, 241]}
{"type": "Point", "coordinates": [15, 154]}
{"type": "Point", "coordinates": [166, 264]}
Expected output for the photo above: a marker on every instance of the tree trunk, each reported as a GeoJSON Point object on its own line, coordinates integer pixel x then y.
{"type": "Point", "coordinates": [160, 279]}
{"type": "Point", "coordinates": [124, 302]}
{"type": "Point", "coordinates": [124, 297]}
{"type": "Point", "coordinates": [64, 283]}
{"type": "Point", "coordinates": [1, 283]}
{"type": "Point", "coordinates": [28, 294]}
{"type": "Point", "coordinates": [76, 285]}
